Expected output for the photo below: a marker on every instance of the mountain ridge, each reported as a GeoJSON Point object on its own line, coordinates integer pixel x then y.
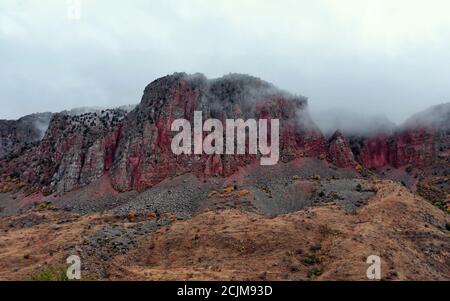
{"type": "Point", "coordinates": [132, 147]}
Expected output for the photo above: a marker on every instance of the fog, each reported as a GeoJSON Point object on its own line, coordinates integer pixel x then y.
{"type": "Point", "coordinates": [350, 122]}
{"type": "Point", "coordinates": [366, 58]}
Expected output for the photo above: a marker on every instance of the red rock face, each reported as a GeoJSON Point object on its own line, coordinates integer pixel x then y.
{"type": "Point", "coordinates": [376, 152]}
{"type": "Point", "coordinates": [419, 147]}
{"type": "Point", "coordinates": [339, 152]}
{"type": "Point", "coordinates": [145, 158]}
{"type": "Point", "coordinates": [135, 152]}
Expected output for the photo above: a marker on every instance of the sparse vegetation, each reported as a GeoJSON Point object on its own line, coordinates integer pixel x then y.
{"type": "Point", "coordinates": [311, 260]}
{"type": "Point", "coordinates": [315, 272]}
{"type": "Point", "coordinates": [49, 273]}
{"type": "Point", "coordinates": [440, 204]}
{"type": "Point", "coordinates": [327, 231]}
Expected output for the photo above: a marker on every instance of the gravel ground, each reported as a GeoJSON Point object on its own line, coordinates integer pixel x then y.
{"type": "Point", "coordinates": [273, 190]}
{"type": "Point", "coordinates": [182, 196]}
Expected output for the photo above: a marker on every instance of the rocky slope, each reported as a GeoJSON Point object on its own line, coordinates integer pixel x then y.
{"type": "Point", "coordinates": [316, 243]}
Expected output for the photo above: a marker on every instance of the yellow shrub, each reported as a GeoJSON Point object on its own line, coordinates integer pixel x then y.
{"type": "Point", "coordinates": [359, 168]}
{"type": "Point", "coordinates": [228, 189]}
{"type": "Point", "coordinates": [244, 192]}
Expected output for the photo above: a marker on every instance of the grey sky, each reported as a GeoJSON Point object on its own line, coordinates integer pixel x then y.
{"type": "Point", "coordinates": [373, 57]}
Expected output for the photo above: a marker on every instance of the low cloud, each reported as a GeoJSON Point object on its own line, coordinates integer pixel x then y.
{"type": "Point", "coordinates": [368, 57]}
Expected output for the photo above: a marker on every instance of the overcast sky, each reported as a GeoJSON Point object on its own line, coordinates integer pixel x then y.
{"type": "Point", "coordinates": [369, 57]}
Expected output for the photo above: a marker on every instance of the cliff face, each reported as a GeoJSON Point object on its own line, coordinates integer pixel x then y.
{"type": "Point", "coordinates": [420, 147]}
{"type": "Point", "coordinates": [132, 150]}
{"type": "Point", "coordinates": [144, 156]}
{"type": "Point", "coordinates": [421, 141]}
{"type": "Point", "coordinates": [75, 151]}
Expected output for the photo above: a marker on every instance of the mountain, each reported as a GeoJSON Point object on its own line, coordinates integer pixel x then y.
{"type": "Point", "coordinates": [422, 141]}
{"type": "Point", "coordinates": [437, 117]}
{"type": "Point", "coordinates": [132, 149]}
{"type": "Point", "coordinates": [15, 135]}
{"type": "Point", "coordinates": [105, 184]}
{"type": "Point", "coordinates": [144, 155]}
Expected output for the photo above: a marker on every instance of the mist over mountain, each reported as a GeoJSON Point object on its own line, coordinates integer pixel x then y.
{"type": "Point", "coordinates": [436, 116]}
{"type": "Point", "coordinates": [351, 123]}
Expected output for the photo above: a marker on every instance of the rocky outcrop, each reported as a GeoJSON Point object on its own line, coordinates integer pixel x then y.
{"type": "Point", "coordinates": [339, 151]}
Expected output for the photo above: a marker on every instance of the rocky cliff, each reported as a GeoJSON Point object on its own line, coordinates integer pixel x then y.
{"type": "Point", "coordinates": [423, 140]}
{"type": "Point", "coordinates": [132, 150]}
{"type": "Point", "coordinates": [144, 156]}
{"type": "Point", "coordinates": [74, 151]}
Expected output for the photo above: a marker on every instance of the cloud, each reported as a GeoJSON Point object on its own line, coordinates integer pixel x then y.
{"type": "Point", "coordinates": [374, 57]}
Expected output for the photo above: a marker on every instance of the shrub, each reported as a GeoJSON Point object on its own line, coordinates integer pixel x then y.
{"type": "Point", "coordinates": [244, 192]}
{"type": "Point", "coordinates": [311, 260]}
{"type": "Point", "coordinates": [440, 204]}
{"type": "Point", "coordinates": [49, 273]}
{"type": "Point", "coordinates": [315, 272]}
